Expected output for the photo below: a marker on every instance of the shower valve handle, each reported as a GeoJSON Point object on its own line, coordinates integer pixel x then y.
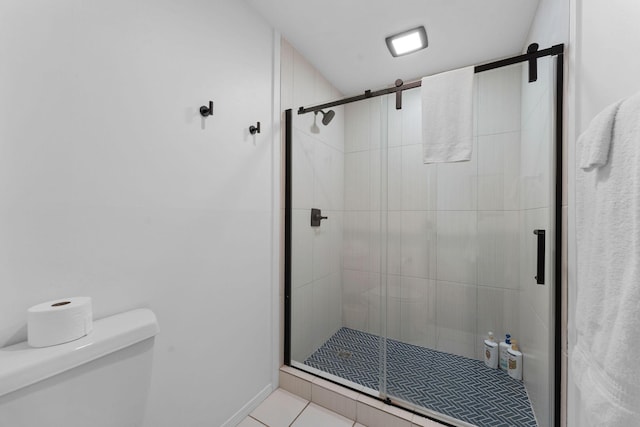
{"type": "Point", "coordinates": [316, 217]}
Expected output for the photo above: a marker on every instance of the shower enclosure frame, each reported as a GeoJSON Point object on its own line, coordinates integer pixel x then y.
{"type": "Point", "coordinates": [531, 57]}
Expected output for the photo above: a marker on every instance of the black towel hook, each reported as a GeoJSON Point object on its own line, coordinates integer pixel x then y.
{"type": "Point", "coordinates": [204, 111]}
{"type": "Point", "coordinates": [254, 129]}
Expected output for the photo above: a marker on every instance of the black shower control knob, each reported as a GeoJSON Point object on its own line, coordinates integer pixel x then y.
{"type": "Point", "coordinates": [316, 217]}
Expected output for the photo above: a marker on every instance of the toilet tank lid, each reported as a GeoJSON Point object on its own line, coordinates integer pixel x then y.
{"type": "Point", "coordinates": [21, 365]}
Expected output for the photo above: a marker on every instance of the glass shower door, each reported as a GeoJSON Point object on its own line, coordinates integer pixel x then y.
{"type": "Point", "coordinates": [337, 289]}
{"type": "Point", "coordinates": [462, 256]}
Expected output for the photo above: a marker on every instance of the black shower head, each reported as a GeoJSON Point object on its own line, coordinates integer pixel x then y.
{"type": "Point", "coordinates": [326, 117]}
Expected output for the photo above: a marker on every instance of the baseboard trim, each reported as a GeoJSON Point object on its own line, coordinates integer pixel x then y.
{"type": "Point", "coordinates": [248, 407]}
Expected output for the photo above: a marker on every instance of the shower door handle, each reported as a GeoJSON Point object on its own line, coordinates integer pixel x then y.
{"type": "Point", "coordinates": [540, 256]}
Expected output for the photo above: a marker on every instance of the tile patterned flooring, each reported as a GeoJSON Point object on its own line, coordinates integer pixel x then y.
{"type": "Point", "coordinates": [461, 388]}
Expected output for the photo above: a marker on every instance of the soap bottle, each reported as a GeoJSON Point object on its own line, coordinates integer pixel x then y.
{"type": "Point", "coordinates": [515, 361]}
{"type": "Point", "coordinates": [491, 352]}
{"type": "Point", "coordinates": [502, 351]}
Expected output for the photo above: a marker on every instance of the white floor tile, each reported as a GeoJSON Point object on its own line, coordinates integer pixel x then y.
{"type": "Point", "coordinates": [317, 416]}
{"type": "Point", "coordinates": [279, 409]}
{"type": "Point", "coordinates": [314, 415]}
{"type": "Point", "coordinates": [250, 422]}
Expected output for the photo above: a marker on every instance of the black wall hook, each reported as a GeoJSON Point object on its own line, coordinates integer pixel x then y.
{"type": "Point", "coordinates": [204, 111]}
{"type": "Point", "coordinates": [254, 129]}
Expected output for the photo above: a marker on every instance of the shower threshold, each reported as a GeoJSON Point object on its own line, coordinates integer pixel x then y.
{"type": "Point", "coordinates": [458, 387]}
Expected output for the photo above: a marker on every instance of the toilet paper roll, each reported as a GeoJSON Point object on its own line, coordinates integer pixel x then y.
{"type": "Point", "coordinates": [59, 321]}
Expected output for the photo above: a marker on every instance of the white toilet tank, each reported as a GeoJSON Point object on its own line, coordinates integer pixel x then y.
{"type": "Point", "coordinates": [100, 380]}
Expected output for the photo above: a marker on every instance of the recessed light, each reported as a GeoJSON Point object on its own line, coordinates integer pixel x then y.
{"type": "Point", "coordinates": [407, 42]}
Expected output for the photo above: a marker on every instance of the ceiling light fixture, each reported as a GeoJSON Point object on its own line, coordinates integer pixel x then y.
{"type": "Point", "coordinates": [407, 42]}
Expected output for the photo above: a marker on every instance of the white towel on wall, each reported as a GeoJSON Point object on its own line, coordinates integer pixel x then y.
{"type": "Point", "coordinates": [596, 140]}
{"type": "Point", "coordinates": [606, 356]}
{"type": "Point", "coordinates": [447, 116]}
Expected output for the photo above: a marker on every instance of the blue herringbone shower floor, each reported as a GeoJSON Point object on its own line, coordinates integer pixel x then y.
{"type": "Point", "coordinates": [456, 386]}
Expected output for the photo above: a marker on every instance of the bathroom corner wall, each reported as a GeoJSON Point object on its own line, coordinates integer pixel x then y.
{"type": "Point", "coordinates": [318, 182]}
{"type": "Point", "coordinates": [113, 186]}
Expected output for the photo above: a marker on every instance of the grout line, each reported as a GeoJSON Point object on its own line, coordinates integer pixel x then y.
{"type": "Point", "coordinates": [258, 421]}
{"type": "Point", "coordinates": [298, 416]}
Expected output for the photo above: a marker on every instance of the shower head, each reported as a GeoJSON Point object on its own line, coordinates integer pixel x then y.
{"type": "Point", "coordinates": [326, 117]}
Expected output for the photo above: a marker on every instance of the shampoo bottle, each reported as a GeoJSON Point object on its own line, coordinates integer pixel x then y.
{"type": "Point", "coordinates": [502, 350]}
{"type": "Point", "coordinates": [515, 361]}
{"type": "Point", "coordinates": [491, 352]}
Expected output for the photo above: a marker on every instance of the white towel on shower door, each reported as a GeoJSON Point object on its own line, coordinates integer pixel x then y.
{"type": "Point", "coordinates": [605, 357]}
{"type": "Point", "coordinates": [447, 116]}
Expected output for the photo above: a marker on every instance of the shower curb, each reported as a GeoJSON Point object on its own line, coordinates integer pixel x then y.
{"type": "Point", "coordinates": [357, 406]}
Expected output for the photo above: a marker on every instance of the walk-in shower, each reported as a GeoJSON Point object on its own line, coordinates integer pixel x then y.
{"type": "Point", "coordinates": [393, 292]}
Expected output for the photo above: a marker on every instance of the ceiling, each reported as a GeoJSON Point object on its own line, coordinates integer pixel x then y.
{"type": "Point", "coordinates": [345, 39]}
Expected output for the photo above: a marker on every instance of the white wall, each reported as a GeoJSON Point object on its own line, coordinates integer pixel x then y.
{"type": "Point", "coordinates": [550, 25]}
{"type": "Point", "coordinates": [113, 186]}
{"type": "Point", "coordinates": [603, 69]}
{"type": "Point", "coordinates": [318, 182]}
